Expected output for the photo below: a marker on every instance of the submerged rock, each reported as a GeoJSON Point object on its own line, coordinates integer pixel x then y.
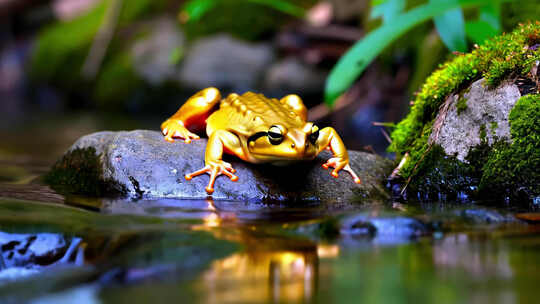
{"type": "Point", "coordinates": [389, 227]}
{"type": "Point", "coordinates": [28, 250]}
{"type": "Point", "coordinates": [141, 164]}
{"type": "Point", "coordinates": [381, 229]}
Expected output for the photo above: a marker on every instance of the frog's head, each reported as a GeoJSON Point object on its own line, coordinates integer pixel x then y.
{"type": "Point", "coordinates": [281, 145]}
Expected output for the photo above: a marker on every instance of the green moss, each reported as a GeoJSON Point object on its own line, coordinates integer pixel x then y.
{"type": "Point", "coordinates": [418, 149]}
{"type": "Point", "coordinates": [461, 104]}
{"type": "Point", "coordinates": [504, 169]}
{"type": "Point", "coordinates": [483, 133]}
{"type": "Point", "coordinates": [495, 60]}
{"type": "Point", "coordinates": [493, 127]}
{"type": "Point", "coordinates": [515, 165]}
{"type": "Point", "coordinates": [80, 172]}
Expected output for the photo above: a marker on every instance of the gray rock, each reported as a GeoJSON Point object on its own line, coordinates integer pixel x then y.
{"type": "Point", "coordinates": [145, 165]}
{"type": "Point", "coordinates": [152, 54]}
{"type": "Point", "coordinates": [291, 75]}
{"type": "Point", "coordinates": [485, 109]}
{"type": "Point", "coordinates": [225, 62]}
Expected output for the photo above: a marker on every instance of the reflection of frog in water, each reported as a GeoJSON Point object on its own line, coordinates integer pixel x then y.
{"type": "Point", "coordinates": [256, 129]}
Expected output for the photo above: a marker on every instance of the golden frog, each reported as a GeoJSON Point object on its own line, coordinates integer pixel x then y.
{"type": "Point", "coordinates": [256, 129]}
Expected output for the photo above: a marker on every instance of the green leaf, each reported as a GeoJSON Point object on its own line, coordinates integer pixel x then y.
{"type": "Point", "coordinates": [478, 31]}
{"type": "Point", "coordinates": [360, 55]}
{"type": "Point", "coordinates": [488, 24]}
{"type": "Point", "coordinates": [387, 9]}
{"type": "Point", "coordinates": [195, 9]}
{"type": "Point", "coordinates": [451, 27]}
{"type": "Point", "coordinates": [283, 6]}
{"type": "Point", "coordinates": [491, 13]}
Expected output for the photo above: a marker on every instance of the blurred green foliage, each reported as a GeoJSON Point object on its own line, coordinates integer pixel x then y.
{"type": "Point", "coordinates": [514, 13]}
{"type": "Point", "coordinates": [451, 28]}
{"type": "Point", "coordinates": [354, 62]}
{"type": "Point", "coordinates": [246, 19]}
{"type": "Point", "coordinates": [62, 47]}
{"type": "Point", "coordinates": [195, 9]}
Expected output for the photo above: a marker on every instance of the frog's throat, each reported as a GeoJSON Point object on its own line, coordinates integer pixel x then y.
{"type": "Point", "coordinates": [279, 160]}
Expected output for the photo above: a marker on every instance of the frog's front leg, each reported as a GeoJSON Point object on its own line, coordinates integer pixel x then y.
{"type": "Point", "coordinates": [217, 143]}
{"type": "Point", "coordinates": [328, 138]}
{"type": "Point", "coordinates": [192, 114]}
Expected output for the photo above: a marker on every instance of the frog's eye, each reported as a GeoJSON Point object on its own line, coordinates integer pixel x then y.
{"type": "Point", "coordinates": [275, 135]}
{"type": "Point", "coordinates": [314, 135]}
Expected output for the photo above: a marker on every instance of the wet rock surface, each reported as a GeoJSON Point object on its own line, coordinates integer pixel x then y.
{"type": "Point", "coordinates": [141, 164]}
{"type": "Point", "coordinates": [20, 250]}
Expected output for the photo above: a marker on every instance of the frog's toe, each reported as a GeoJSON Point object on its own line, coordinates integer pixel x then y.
{"type": "Point", "coordinates": [168, 137]}
{"type": "Point", "coordinates": [230, 174]}
{"type": "Point", "coordinates": [214, 170]}
{"type": "Point", "coordinates": [355, 177]}
{"type": "Point", "coordinates": [228, 166]}
{"type": "Point", "coordinates": [335, 163]}
{"type": "Point", "coordinates": [191, 175]}
{"type": "Point", "coordinates": [338, 165]}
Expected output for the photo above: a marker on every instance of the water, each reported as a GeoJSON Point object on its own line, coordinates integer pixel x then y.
{"type": "Point", "coordinates": [205, 251]}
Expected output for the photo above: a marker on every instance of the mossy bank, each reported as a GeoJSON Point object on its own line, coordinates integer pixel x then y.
{"type": "Point", "coordinates": [473, 130]}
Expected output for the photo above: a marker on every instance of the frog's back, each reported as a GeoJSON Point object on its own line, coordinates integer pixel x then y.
{"type": "Point", "coordinates": [251, 112]}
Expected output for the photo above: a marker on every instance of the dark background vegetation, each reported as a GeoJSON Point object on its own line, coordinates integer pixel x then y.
{"type": "Point", "coordinates": [69, 67]}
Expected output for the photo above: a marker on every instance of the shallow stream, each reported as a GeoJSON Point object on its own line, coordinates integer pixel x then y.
{"type": "Point", "coordinates": [66, 249]}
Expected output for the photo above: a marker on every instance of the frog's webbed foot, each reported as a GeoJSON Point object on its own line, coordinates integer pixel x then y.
{"type": "Point", "coordinates": [174, 128]}
{"type": "Point", "coordinates": [214, 169]}
{"type": "Point", "coordinates": [339, 164]}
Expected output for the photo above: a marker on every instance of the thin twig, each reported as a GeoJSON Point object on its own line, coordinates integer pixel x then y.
{"type": "Point", "coordinates": [101, 42]}
{"type": "Point", "coordinates": [386, 136]}
{"type": "Point", "coordinates": [395, 172]}
{"type": "Point", "coordinates": [384, 124]}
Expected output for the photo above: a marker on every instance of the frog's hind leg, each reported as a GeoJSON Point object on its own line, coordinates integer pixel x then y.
{"type": "Point", "coordinates": [295, 102]}
{"type": "Point", "coordinates": [191, 115]}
